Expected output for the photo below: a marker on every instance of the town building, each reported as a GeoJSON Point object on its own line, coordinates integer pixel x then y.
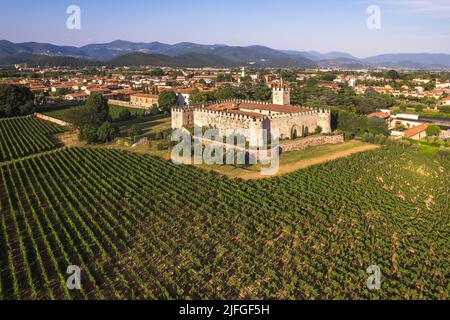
{"type": "Point", "coordinates": [80, 97]}
{"type": "Point", "coordinates": [143, 100]}
{"type": "Point", "coordinates": [446, 101]}
{"type": "Point", "coordinates": [183, 97]}
{"type": "Point", "coordinates": [417, 132]}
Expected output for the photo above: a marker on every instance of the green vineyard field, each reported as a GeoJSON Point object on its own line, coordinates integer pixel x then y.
{"type": "Point", "coordinates": [23, 136]}
{"type": "Point", "coordinates": [145, 228]}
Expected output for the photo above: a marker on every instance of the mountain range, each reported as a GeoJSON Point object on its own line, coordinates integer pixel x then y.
{"type": "Point", "coordinates": [187, 54]}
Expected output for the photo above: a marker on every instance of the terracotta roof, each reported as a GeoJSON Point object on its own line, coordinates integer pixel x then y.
{"type": "Point", "coordinates": [380, 115]}
{"type": "Point", "coordinates": [185, 90]}
{"type": "Point", "coordinates": [145, 95]}
{"type": "Point", "coordinates": [272, 107]}
{"type": "Point", "coordinates": [415, 130]}
{"type": "Point", "coordinates": [243, 113]}
{"type": "Point", "coordinates": [255, 106]}
{"type": "Point", "coordinates": [95, 89]}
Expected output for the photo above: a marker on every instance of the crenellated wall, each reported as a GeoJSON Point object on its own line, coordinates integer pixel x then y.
{"type": "Point", "coordinates": [200, 116]}
{"type": "Point", "coordinates": [182, 118]}
{"type": "Point", "coordinates": [228, 123]}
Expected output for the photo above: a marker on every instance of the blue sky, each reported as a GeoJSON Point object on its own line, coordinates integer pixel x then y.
{"type": "Point", "coordinates": [321, 25]}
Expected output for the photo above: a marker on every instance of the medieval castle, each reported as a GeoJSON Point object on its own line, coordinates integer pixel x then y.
{"type": "Point", "coordinates": [241, 115]}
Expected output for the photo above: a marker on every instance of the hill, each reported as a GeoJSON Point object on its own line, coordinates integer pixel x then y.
{"type": "Point", "coordinates": [191, 60]}
{"type": "Point", "coordinates": [34, 60]}
{"type": "Point", "coordinates": [211, 54]}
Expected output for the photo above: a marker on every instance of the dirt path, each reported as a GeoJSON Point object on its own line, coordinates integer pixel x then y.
{"type": "Point", "coordinates": [288, 168]}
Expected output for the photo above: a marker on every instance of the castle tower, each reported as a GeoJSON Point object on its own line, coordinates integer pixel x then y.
{"type": "Point", "coordinates": [281, 94]}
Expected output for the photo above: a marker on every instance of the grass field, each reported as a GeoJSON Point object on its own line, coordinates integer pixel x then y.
{"type": "Point", "coordinates": [147, 124]}
{"type": "Point", "coordinates": [114, 111]}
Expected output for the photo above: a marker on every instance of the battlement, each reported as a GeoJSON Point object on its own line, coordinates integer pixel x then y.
{"type": "Point", "coordinates": [281, 89]}
{"type": "Point", "coordinates": [245, 116]}
{"type": "Point", "coordinates": [229, 115]}
{"type": "Point", "coordinates": [238, 102]}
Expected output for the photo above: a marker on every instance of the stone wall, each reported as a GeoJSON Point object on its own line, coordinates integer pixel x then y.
{"type": "Point", "coordinates": [226, 123]}
{"type": "Point", "coordinates": [125, 104]}
{"type": "Point", "coordinates": [305, 121]}
{"type": "Point", "coordinates": [304, 143]}
{"type": "Point", "coordinates": [50, 119]}
{"type": "Point", "coordinates": [182, 118]}
{"type": "Point", "coordinates": [120, 103]}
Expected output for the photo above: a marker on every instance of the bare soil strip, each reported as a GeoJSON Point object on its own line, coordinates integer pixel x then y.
{"type": "Point", "coordinates": [288, 168]}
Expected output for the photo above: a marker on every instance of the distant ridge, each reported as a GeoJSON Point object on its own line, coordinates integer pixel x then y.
{"type": "Point", "coordinates": [192, 54]}
{"type": "Point", "coordinates": [190, 60]}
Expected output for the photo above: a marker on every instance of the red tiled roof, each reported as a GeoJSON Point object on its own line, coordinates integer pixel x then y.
{"type": "Point", "coordinates": [380, 115]}
{"type": "Point", "coordinates": [255, 106]}
{"type": "Point", "coordinates": [248, 114]}
{"type": "Point", "coordinates": [415, 130]}
{"type": "Point", "coordinates": [185, 90]}
{"type": "Point", "coordinates": [145, 95]}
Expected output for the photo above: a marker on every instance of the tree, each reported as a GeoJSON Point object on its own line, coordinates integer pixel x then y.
{"type": "Point", "coordinates": [125, 114]}
{"type": "Point", "coordinates": [15, 101]}
{"type": "Point", "coordinates": [224, 77]}
{"type": "Point", "coordinates": [107, 132]}
{"type": "Point", "coordinates": [82, 118]}
{"type": "Point", "coordinates": [99, 107]}
{"type": "Point", "coordinates": [89, 134]}
{"type": "Point", "coordinates": [260, 92]}
{"type": "Point", "coordinates": [318, 130]}
{"type": "Point", "coordinates": [445, 109]}
{"type": "Point", "coordinates": [329, 76]}
{"type": "Point", "coordinates": [429, 86]}
{"type": "Point", "coordinates": [433, 130]}
{"type": "Point", "coordinates": [134, 131]}
{"type": "Point", "coordinates": [225, 93]}
{"type": "Point", "coordinates": [392, 74]}
{"type": "Point", "coordinates": [158, 72]}
{"type": "Point", "coordinates": [167, 99]}
{"type": "Point", "coordinates": [377, 127]}
{"type": "Point", "coordinates": [197, 98]}
{"type": "Point", "coordinates": [89, 118]}
{"type": "Point", "coordinates": [419, 107]}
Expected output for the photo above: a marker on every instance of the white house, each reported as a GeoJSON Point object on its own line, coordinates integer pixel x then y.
{"type": "Point", "coordinates": [183, 97]}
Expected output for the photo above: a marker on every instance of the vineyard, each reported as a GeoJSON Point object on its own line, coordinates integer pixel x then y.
{"type": "Point", "coordinates": [144, 228]}
{"type": "Point", "coordinates": [23, 136]}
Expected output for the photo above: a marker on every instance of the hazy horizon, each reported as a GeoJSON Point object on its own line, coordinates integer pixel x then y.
{"type": "Point", "coordinates": [225, 44]}
{"type": "Point", "coordinates": [322, 26]}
